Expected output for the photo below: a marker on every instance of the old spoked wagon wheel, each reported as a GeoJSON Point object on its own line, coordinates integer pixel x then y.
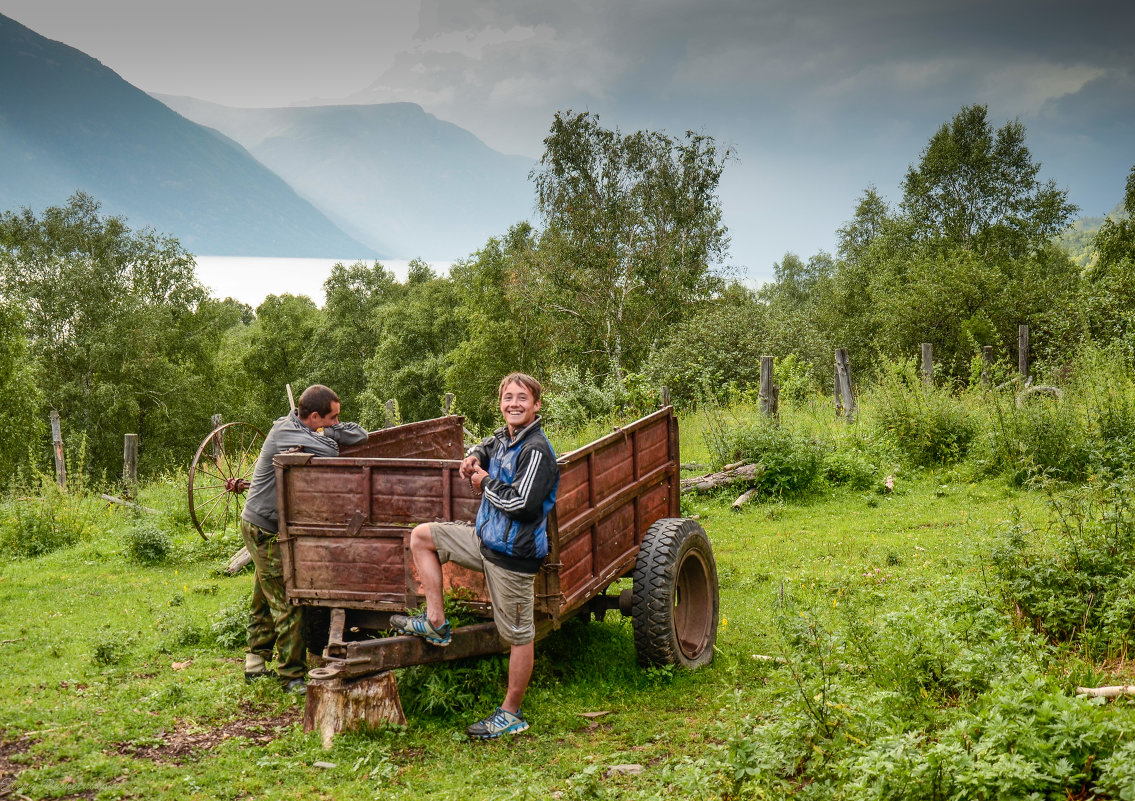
{"type": "Point", "coordinates": [220, 475]}
{"type": "Point", "coordinates": [674, 606]}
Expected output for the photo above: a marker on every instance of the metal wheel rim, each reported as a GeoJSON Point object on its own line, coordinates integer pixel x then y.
{"type": "Point", "coordinates": [215, 501]}
{"type": "Point", "coordinates": [693, 605]}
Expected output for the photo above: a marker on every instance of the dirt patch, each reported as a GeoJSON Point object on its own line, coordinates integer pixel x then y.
{"type": "Point", "coordinates": [189, 738]}
{"type": "Point", "coordinates": [8, 769]}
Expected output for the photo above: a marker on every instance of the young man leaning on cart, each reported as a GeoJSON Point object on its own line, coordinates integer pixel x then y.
{"type": "Point", "coordinates": [273, 623]}
{"type": "Point", "coordinates": [516, 471]}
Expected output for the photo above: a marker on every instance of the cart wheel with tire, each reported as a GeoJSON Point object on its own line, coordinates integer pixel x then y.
{"type": "Point", "coordinates": [675, 606]}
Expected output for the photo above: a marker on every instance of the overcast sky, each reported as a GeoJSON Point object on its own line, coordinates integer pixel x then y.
{"type": "Point", "coordinates": [819, 98]}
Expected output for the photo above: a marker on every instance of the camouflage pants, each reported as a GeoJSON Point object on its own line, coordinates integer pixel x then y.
{"type": "Point", "coordinates": [273, 622]}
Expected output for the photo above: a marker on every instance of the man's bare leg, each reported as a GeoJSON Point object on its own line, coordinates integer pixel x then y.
{"type": "Point", "coordinates": [520, 659]}
{"type": "Point", "coordinates": [424, 551]}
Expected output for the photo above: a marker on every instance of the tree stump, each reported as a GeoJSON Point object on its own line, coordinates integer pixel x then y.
{"type": "Point", "coordinates": [335, 705]}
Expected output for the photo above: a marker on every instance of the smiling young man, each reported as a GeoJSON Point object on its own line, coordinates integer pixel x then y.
{"type": "Point", "coordinates": [515, 470]}
{"type": "Point", "coordinates": [274, 624]}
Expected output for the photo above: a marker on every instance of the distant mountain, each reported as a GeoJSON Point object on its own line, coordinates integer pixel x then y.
{"type": "Point", "coordinates": [68, 123]}
{"type": "Point", "coordinates": [391, 175]}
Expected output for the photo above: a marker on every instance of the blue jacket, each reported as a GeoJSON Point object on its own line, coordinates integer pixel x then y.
{"type": "Point", "coordinates": [519, 492]}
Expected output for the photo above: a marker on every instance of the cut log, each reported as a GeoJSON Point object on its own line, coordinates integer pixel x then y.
{"type": "Point", "coordinates": [731, 474]}
{"type": "Point", "coordinates": [335, 705]}
{"type": "Point", "coordinates": [239, 561]}
{"type": "Point", "coordinates": [1106, 692]}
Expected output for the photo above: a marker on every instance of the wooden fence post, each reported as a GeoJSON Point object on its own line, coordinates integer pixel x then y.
{"type": "Point", "coordinates": [447, 403]}
{"type": "Point", "coordinates": [987, 365]}
{"type": "Point", "coordinates": [845, 400]}
{"type": "Point", "coordinates": [665, 394]}
{"type": "Point", "coordinates": [215, 444]}
{"type": "Point", "coordinates": [391, 413]}
{"type": "Point", "coordinates": [130, 466]}
{"type": "Point", "coordinates": [57, 444]}
{"type": "Point", "coordinates": [1023, 350]}
{"type": "Point", "coordinates": [927, 363]}
{"type": "Point", "coordinates": [766, 392]}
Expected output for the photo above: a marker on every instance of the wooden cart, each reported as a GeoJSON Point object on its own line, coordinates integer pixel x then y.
{"type": "Point", "coordinates": [345, 542]}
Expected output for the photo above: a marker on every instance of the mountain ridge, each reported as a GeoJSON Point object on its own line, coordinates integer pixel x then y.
{"type": "Point", "coordinates": [391, 174]}
{"type": "Point", "coordinates": [68, 123]}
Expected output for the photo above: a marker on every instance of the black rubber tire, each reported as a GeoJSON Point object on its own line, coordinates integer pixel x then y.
{"type": "Point", "coordinates": [674, 608]}
{"type": "Point", "coordinates": [316, 628]}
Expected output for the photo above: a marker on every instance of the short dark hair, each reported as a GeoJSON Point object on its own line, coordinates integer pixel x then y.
{"type": "Point", "coordinates": [525, 380]}
{"type": "Point", "coordinates": [317, 399]}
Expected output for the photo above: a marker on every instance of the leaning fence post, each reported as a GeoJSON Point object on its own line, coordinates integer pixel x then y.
{"type": "Point", "coordinates": [1023, 350]}
{"type": "Point", "coordinates": [665, 394]}
{"type": "Point", "coordinates": [845, 400]}
{"type": "Point", "coordinates": [57, 444]}
{"type": "Point", "coordinates": [765, 396]}
{"type": "Point", "coordinates": [987, 365]}
{"type": "Point", "coordinates": [130, 466]}
{"type": "Point", "coordinates": [927, 363]}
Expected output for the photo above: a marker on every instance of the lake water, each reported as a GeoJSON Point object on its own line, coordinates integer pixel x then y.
{"type": "Point", "coordinates": [250, 279]}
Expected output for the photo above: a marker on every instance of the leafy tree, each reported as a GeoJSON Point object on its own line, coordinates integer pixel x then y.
{"type": "Point", "coordinates": [114, 328]}
{"type": "Point", "coordinates": [869, 222]}
{"type": "Point", "coordinates": [978, 190]}
{"type": "Point", "coordinates": [505, 332]}
{"type": "Point", "coordinates": [279, 350]}
{"type": "Point", "coordinates": [1109, 286]}
{"type": "Point", "coordinates": [716, 349]}
{"type": "Point", "coordinates": [350, 326]}
{"type": "Point", "coordinates": [419, 330]}
{"type": "Point", "coordinates": [22, 398]}
{"type": "Point", "coordinates": [632, 233]}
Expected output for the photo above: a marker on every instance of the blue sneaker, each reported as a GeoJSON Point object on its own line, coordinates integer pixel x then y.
{"type": "Point", "coordinates": [500, 722]}
{"type": "Point", "coordinates": [420, 626]}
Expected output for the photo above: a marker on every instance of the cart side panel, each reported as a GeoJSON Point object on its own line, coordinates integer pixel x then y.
{"type": "Point", "coordinates": [316, 494]}
{"type": "Point", "coordinates": [345, 526]}
{"type": "Point", "coordinates": [367, 566]}
{"type": "Point", "coordinates": [611, 491]}
{"type": "Point", "coordinates": [442, 438]}
{"type": "Point", "coordinates": [414, 494]}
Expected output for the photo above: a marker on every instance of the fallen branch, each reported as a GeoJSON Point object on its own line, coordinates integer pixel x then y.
{"type": "Point", "coordinates": [131, 504]}
{"type": "Point", "coordinates": [1023, 395]}
{"type": "Point", "coordinates": [1106, 692]}
{"type": "Point", "coordinates": [239, 561]}
{"type": "Point", "coordinates": [730, 474]}
{"type": "Point", "coordinates": [744, 498]}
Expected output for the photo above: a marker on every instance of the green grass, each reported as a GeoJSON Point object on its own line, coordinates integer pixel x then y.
{"type": "Point", "coordinates": [96, 698]}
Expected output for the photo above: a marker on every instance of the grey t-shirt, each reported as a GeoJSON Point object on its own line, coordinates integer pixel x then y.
{"type": "Point", "coordinates": [289, 432]}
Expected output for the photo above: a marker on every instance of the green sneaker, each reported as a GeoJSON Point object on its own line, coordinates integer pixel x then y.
{"type": "Point", "coordinates": [500, 722]}
{"type": "Point", "coordinates": [420, 626]}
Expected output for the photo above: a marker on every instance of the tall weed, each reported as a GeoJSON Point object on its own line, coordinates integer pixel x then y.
{"type": "Point", "coordinates": [34, 525]}
{"type": "Point", "coordinates": [930, 425]}
{"type": "Point", "coordinates": [1081, 589]}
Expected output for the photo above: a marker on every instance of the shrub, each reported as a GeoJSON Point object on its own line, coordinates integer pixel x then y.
{"type": "Point", "coordinates": [929, 425]}
{"type": "Point", "coordinates": [230, 626]}
{"type": "Point", "coordinates": [849, 468]}
{"type": "Point", "coordinates": [575, 398]}
{"type": "Point", "coordinates": [791, 462]}
{"type": "Point", "coordinates": [147, 543]}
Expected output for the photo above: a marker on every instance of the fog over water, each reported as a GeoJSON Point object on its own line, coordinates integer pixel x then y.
{"type": "Point", "coordinates": [250, 279]}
